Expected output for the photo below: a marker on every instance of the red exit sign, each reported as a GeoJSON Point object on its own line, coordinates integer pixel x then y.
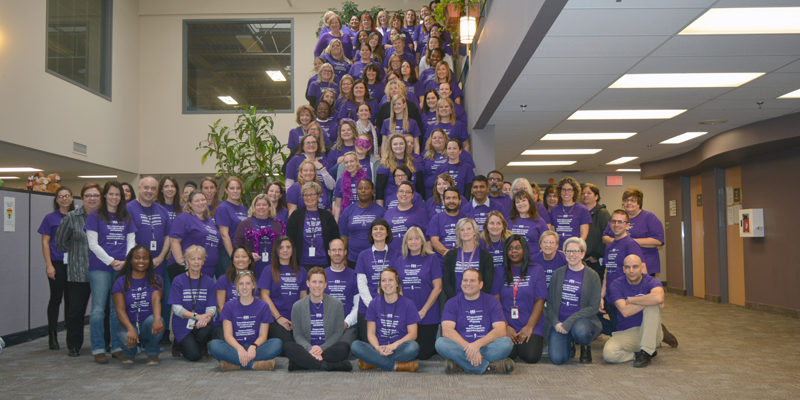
{"type": "Point", "coordinates": [614, 180]}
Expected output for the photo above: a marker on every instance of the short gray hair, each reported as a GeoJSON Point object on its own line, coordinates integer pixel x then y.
{"type": "Point", "coordinates": [311, 186]}
{"type": "Point", "coordinates": [581, 243]}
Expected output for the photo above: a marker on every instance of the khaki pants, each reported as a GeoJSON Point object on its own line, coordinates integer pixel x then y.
{"type": "Point", "coordinates": [623, 344]}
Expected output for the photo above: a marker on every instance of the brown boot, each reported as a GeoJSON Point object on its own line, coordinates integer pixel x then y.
{"type": "Point", "coordinates": [364, 366]}
{"type": "Point", "coordinates": [101, 358]}
{"type": "Point", "coordinates": [265, 365]}
{"type": "Point", "coordinates": [504, 366]}
{"type": "Point", "coordinates": [669, 338]}
{"type": "Point", "coordinates": [226, 366]}
{"type": "Point", "coordinates": [411, 366]}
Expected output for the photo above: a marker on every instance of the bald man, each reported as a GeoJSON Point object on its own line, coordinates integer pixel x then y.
{"type": "Point", "coordinates": [152, 222]}
{"type": "Point", "coordinates": [638, 298]}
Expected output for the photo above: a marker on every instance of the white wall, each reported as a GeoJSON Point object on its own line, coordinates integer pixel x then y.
{"type": "Point", "coordinates": [44, 112]}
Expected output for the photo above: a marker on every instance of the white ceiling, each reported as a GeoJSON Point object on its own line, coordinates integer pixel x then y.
{"type": "Point", "coordinates": [594, 42]}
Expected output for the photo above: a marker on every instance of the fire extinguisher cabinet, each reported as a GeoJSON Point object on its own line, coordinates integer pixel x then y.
{"type": "Point", "coordinates": [751, 222]}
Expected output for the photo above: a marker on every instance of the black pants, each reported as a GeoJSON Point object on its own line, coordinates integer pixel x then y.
{"type": "Point", "coordinates": [277, 330]}
{"type": "Point", "coordinates": [426, 338]}
{"type": "Point", "coordinates": [362, 327]}
{"type": "Point", "coordinates": [530, 351]}
{"type": "Point", "coordinates": [299, 358]}
{"type": "Point", "coordinates": [600, 269]}
{"type": "Point", "coordinates": [57, 292]}
{"type": "Point", "coordinates": [78, 294]}
{"type": "Point", "coordinates": [195, 342]}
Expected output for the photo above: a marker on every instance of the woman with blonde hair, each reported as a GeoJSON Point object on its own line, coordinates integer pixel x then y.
{"type": "Point", "coordinates": [326, 79]}
{"type": "Point", "coordinates": [395, 154]}
{"type": "Point", "coordinates": [399, 123]}
{"type": "Point", "coordinates": [334, 55]}
{"type": "Point", "coordinates": [307, 172]}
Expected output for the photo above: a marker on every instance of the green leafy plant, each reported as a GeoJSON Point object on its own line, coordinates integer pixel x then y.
{"type": "Point", "coordinates": [248, 150]}
{"type": "Point", "coordinates": [349, 9]}
{"type": "Point", "coordinates": [439, 13]}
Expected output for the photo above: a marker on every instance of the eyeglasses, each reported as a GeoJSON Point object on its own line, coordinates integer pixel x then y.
{"type": "Point", "coordinates": [567, 189]}
{"type": "Point", "coordinates": [495, 179]}
{"type": "Point", "coordinates": [64, 196]}
{"type": "Point", "coordinates": [337, 250]}
{"type": "Point", "coordinates": [617, 221]}
{"type": "Point", "coordinates": [404, 191]}
{"type": "Point", "coordinates": [573, 252]}
{"type": "Point", "coordinates": [310, 194]}
{"type": "Point", "coordinates": [515, 247]}
{"type": "Point", "coordinates": [91, 196]}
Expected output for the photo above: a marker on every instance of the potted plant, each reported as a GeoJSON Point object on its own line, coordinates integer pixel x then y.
{"type": "Point", "coordinates": [448, 12]}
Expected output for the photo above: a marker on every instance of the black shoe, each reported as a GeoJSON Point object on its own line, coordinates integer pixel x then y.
{"type": "Point", "coordinates": [586, 354]}
{"type": "Point", "coordinates": [669, 338]}
{"type": "Point", "coordinates": [572, 351]}
{"type": "Point", "coordinates": [165, 339]}
{"type": "Point", "coordinates": [53, 340]}
{"type": "Point", "coordinates": [344, 366]}
{"type": "Point", "coordinates": [74, 352]}
{"type": "Point", "coordinates": [642, 359]}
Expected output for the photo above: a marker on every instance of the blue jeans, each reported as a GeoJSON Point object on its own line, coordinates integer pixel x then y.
{"type": "Point", "coordinates": [582, 332]}
{"type": "Point", "coordinates": [407, 351]}
{"type": "Point", "coordinates": [148, 341]}
{"type": "Point", "coordinates": [100, 282]}
{"type": "Point", "coordinates": [222, 351]}
{"type": "Point", "coordinates": [494, 351]}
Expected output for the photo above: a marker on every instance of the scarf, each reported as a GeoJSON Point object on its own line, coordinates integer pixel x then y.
{"type": "Point", "coordinates": [347, 185]}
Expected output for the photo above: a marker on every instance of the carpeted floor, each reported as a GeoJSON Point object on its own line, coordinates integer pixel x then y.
{"type": "Point", "coordinates": [725, 352]}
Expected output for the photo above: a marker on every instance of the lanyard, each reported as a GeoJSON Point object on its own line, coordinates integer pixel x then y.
{"type": "Point", "coordinates": [471, 256]}
{"type": "Point", "coordinates": [516, 286]}
{"type": "Point", "coordinates": [375, 261]}
{"type": "Point", "coordinates": [313, 228]}
{"type": "Point", "coordinates": [192, 291]}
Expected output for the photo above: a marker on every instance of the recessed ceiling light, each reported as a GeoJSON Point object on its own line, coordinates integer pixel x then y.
{"type": "Point", "coordinates": [621, 160]}
{"type": "Point", "coordinates": [20, 169]}
{"type": "Point", "coordinates": [558, 152]}
{"type": "Point", "coordinates": [683, 137]}
{"type": "Point", "coordinates": [276, 76]}
{"type": "Point", "coordinates": [538, 163]}
{"type": "Point", "coordinates": [693, 80]}
{"type": "Point", "coordinates": [97, 176]}
{"type": "Point", "coordinates": [791, 95]}
{"type": "Point", "coordinates": [746, 21]}
{"type": "Point", "coordinates": [588, 136]}
{"type": "Point", "coordinates": [227, 100]}
{"type": "Point", "coordinates": [629, 170]}
{"type": "Point", "coordinates": [625, 114]}
{"type": "Point", "coordinates": [8, 177]}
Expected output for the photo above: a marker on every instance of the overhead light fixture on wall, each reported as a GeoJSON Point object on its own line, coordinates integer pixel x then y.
{"type": "Point", "coordinates": [97, 176]}
{"type": "Point", "coordinates": [467, 28]}
{"type": "Point", "coordinates": [276, 76]}
{"type": "Point", "coordinates": [20, 169]}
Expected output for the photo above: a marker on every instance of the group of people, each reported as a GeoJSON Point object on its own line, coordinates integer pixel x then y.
{"type": "Point", "coordinates": [391, 255]}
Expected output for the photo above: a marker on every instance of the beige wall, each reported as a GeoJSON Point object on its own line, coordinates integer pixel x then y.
{"type": "Point", "coordinates": [44, 112]}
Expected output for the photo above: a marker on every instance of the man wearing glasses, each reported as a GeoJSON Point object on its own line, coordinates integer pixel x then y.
{"type": "Point", "coordinates": [342, 284]}
{"type": "Point", "coordinates": [496, 194]}
{"type": "Point", "coordinates": [616, 251]}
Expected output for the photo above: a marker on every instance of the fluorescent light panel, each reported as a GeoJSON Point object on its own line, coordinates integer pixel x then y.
{"type": "Point", "coordinates": [621, 160]}
{"type": "Point", "coordinates": [629, 170]}
{"type": "Point", "coordinates": [227, 100]}
{"type": "Point", "coordinates": [791, 95]}
{"type": "Point", "coordinates": [625, 114]}
{"type": "Point", "coordinates": [688, 80]}
{"type": "Point", "coordinates": [683, 137]}
{"type": "Point", "coordinates": [539, 163]}
{"type": "Point", "coordinates": [588, 136]}
{"type": "Point", "coordinates": [559, 152]}
{"type": "Point", "coordinates": [276, 76]}
{"type": "Point", "coordinates": [97, 176]}
{"type": "Point", "coordinates": [9, 177]}
{"type": "Point", "coordinates": [19, 169]}
{"type": "Point", "coordinates": [746, 21]}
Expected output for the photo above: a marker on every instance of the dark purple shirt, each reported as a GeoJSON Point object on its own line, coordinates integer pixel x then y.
{"type": "Point", "coordinates": [138, 298]}
{"type": "Point", "coordinates": [473, 318]}
{"type": "Point", "coordinates": [567, 221]}
{"type": "Point", "coordinates": [112, 237]}
{"type": "Point", "coordinates": [191, 230]}
{"type": "Point", "coordinates": [621, 289]}
{"type": "Point", "coordinates": [284, 293]}
{"type": "Point", "coordinates": [532, 230]}
{"type": "Point", "coordinates": [646, 225]}
{"type": "Point", "coordinates": [558, 261]}
{"type": "Point", "coordinates": [529, 289]}
{"type": "Point", "coordinates": [192, 294]}
{"type": "Point", "coordinates": [400, 221]}
{"type": "Point", "coordinates": [343, 286]}
{"type": "Point", "coordinates": [615, 254]}
{"type": "Point", "coordinates": [247, 320]}
{"type": "Point", "coordinates": [152, 225]}
{"type": "Point", "coordinates": [370, 263]}
{"type": "Point", "coordinates": [392, 320]}
{"type": "Point", "coordinates": [48, 227]}
{"type": "Point", "coordinates": [417, 274]}
{"type": "Point", "coordinates": [354, 223]}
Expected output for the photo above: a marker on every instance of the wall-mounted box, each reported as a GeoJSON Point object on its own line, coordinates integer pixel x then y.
{"type": "Point", "coordinates": [751, 222]}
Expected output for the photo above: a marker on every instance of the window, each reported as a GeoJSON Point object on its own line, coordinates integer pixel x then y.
{"type": "Point", "coordinates": [233, 63]}
{"type": "Point", "coordinates": [79, 43]}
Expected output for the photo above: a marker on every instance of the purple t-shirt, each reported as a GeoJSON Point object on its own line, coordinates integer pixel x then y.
{"type": "Point", "coordinates": [464, 261]}
{"type": "Point", "coordinates": [349, 109]}
{"type": "Point", "coordinates": [558, 261]}
{"type": "Point", "coordinates": [567, 221]}
{"type": "Point", "coordinates": [317, 315]}
{"type": "Point", "coordinates": [473, 318]}
{"type": "Point", "coordinates": [265, 245]}
{"type": "Point", "coordinates": [330, 130]}
{"type": "Point", "coordinates": [192, 294]}
{"type": "Point", "coordinates": [532, 230]}
{"type": "Point", "coordinates": [542, 212]}
{"type": "Point", "coordinates": [316, 87]}
{"type": "Point", "coordinates": [312, 241]}
{"type": "Point", "coordinates": [413, 128]}
{"type": "Point", "coordinates": [48, 227]}
{"type": "Point", "coordinates": [343, 286]}
{"type": "Point", "coordinates": [294, 138]}
{"type": "Point", "coordinates": [284, 293]}
{"type": "Point", "coordinates": [370, 263]}
{"type": "Point", "coordinates": [231, 294]}
{"type": "Point", "coordinates": [358, 68]}
{"type": "Point", "coordinates": [461, 173]}
{"type": "Point", "coordinates": [392, 320]}
{"type": "Point", "coordinates": [435, 208]}
{"type": "Point", "coordinates": [230, 215]}
{"type": "Point", "coordinates": [337, 191]}
{"type": "Point", "coordinates": [191, 230]}
{"type": "Point", "coordinates": [453, 131]}
{"type": "Point", "coordinates": [112, 237]}
{"type": "Point", "coordinates": [529, 289]}
{"type": "Point", "coordinates": [479, 212]}
{"type": "Point", "coordinates": [138, 298]}
{"type": "Point", "coordinates": [325, 39]}
{"type": "Point", "coordinates": [417, 274]}
{"type": "Point", "coordinates": [247, 320]}
{"type": "Point", "coordinates": [503, 202]}
{"type": "Point", "coordinates": [354, 223]}
{"type": "Point", "coordinates": [340, 68]}
{"type": "Point", "coordinates": [152, 225]}
{"type": "Point", "coordinates": [391, 202]}
{"type": "Point", "coordinates": [570, 294]}
{"type": "Point", "coordinates": [293, 196]}
{"type": "Point", "coordinates": [496, 250]}
{"type": "Point", "coordinates": [646, 225]}
{"type": "Point", "coordinates": [621, 289]}
{"type": "Point", "coordinates": [615, 254]}
{"type": "Point", "coordinates": [401, 221]}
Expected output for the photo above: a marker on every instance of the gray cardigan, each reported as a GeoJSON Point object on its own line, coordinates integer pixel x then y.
{"type": "Point", "coordinates": [333, 320]}
{"type": "Point", "coordinates": [590, 298]}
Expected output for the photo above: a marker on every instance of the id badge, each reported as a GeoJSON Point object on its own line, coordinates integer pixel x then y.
{"type": "Point", "coordinates": [190, 323]}
{"type": "Point", "coordinates": [312, 251]}
{"type": "Point", "coordinates": [153, 245]}
{"type": "Point", "coordinates": [265, 256]}
{"type": "Point", "coordinates": [514, 312]}
{"type": "Point", "coordinates": [66, 258]}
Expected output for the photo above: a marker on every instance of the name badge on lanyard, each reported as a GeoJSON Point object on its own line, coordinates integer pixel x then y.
{"type": "Point", "coordinates": [153, 245]}
{"type": "Point", "coordinates": [265, 256]}
{"type": "Point", "coordinates": [312, 251]}
{"type": "Point", "coordinates": [66, 258]}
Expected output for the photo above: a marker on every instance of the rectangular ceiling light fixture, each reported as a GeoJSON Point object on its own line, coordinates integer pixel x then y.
{"type": "Point", "coordinates": [9, 177]}
{"type": "Point", "coordinates": [276, 76]}
{"type": "Point", "coordinates": [559, 152]}
{"type": "Point", "coordinates": [689, 80]}
{"type": "Point", "coordinates": [746, 21]}
{"type": "Point", "coordinates": [629, 170]}
{"type": "Point", "coordinates": [683, 137]}
{"type": "Point", "coordinates": [621, 160]}
{"type": "Point", "coordinates": [588, 136]}
{"type": "Point", "coordinates": [20, 169]}
{"type": "Point", "coordinates": [539, 163]}
{"type": "Point", "coordinates": [791, 95]}
{"type": "Point", "coordinates": [625, 114]}
{"type": "Point", "coordinates": [97, 176]}
{"type": "Point", "coordinates": [227, 100]}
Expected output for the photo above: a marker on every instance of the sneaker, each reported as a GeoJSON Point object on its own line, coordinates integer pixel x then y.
{"type": "Point", "coordinates": [226, 366]}
{"type": "Point", "coordinates": [153, 360]}
{"type": "Point", "coordinates": [101, 358]}
{"type": "Point", "coordinates": [364, 366]}
{"type": "Point", "coordinates": [264, 365]}
{"type": "Point", "coordinates": [504, 366]}
{"type": "Point", "coordinates": [669, 338]}
{"type": "Point", "coordinates": [642, 359]}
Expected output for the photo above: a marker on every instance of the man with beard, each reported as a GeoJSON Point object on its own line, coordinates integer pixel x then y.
{"type": "Point", "coordinates": [496, 194]}
{"type": "Point", "coordinates": [481, 205]}
{"type": "Point", "coordinates": [442, 228]}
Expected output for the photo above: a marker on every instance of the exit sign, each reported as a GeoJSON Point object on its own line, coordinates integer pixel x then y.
{"type": "Point", "coordinates": [614, 180]}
